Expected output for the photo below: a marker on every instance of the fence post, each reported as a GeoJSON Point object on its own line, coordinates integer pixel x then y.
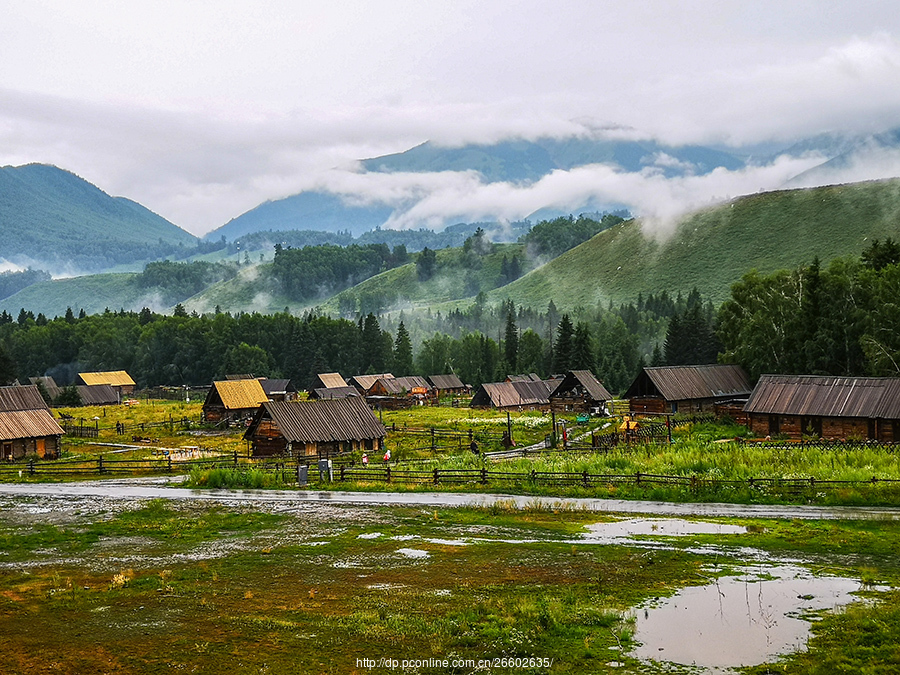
{"type": "Point", "coordinates": [533, 476]}
{"type": "Point", "coordinates": [343, 472]}
{"type": "Point", "coordinates": [586, 478]}
{"type": "Point", "coordinates": [483, 476]}
{"type": "Point", "coordinates": [169, 463]}
{"type": "Point", "coordinates": [31, 466]}
{"type": "Point", "coordinates": [100, 464]}
{"type": "Point", "coordinates": [432, 440]}
{"type": "Point", "coordinates": [387, 472]}
{"type": "Point", "coordinates": [436, 476]}
{"type": "Point", "coordinates": [235, 457]}
{"type": "Point", "coordinates": [637, 477]}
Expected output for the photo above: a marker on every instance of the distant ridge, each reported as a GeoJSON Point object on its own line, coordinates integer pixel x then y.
{"type": "Point", "coordinates": [51, 218]}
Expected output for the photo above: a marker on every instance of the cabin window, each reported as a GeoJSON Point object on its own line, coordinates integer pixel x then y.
{"type": "Point", "coordinates": [7, 451]}
{"type": "Point", "coordinates": [811, 426]}
{"type": "Point", "coordinates": [774, 425]}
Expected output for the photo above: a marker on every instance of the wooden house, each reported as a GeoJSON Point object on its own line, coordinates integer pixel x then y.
{"type": "Point", "coordinates": [233, 400]}
{"type": "Point", "coordinates": [364, 382]}
{"type": "Point", "coordinates": [98, 394]}
{"type": "Point", "coordinates": [328, 381]}
{"type": "Point", "coordinates": [322, 428]}
{"type": "Point", "coordinates": [579, 391]}
{"type": "Point", "coordinates": [26, 425]}
{"type": "Point", "coordinates": [413, 385]}
{"type": "Point", "coordinates": [514, 395]}
{"type": "Point", "coordinates": [447, 385]}
{"type": "Point", "coordinates": [333, 392]}
{"type": "Point", "coordinates": [117, 379]}
{"type": "Point", "coordinates": [49, 384]}
{"type": "Point", "coordinates": [686, 389]}
{"type": "Point", "coordinates": [279, 389]}
{"type": "Point", "coordinates": [826, 407]}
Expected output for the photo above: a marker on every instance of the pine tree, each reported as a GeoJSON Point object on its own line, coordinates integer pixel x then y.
{"type": "Point", "coordinates": [582, 355]}
{"type": "Point", "coordinates": [403, 353]}
{"type": "Point", "coordinates": [562, 351]}
{"type": "Point", "coordinates": [511, 341]}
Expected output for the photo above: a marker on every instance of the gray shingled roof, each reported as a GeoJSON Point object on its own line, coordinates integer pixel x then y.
{"type": "Point", "coordinates": [584, 379]}
{"type": "Point", "coordinates": [326, 420]}
{"type": "Point", "coordinates": [683, 383]}
{"type": "Point", "coordinates": [21, 397]}
{"type": "Point", "coordinates": [826, 396]}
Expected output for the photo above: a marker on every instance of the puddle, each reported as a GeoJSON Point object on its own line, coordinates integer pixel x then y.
{"type": "Point", "coordinates": [413, 552]}
{"type": "Point", "coordinates": [658, 527]}
{"type": "Point", "coordinates": [738, 621]}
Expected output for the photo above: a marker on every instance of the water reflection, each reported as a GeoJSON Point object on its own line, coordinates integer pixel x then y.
{"type": "Point", "coordinates": [738, 621]}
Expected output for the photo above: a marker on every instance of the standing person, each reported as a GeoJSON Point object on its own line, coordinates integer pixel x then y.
{"type": "Point", "coordinates": [387, 455]}
{"type": "Point", "coordinates": [365, 460]}
{"type": "Point", "coordinates": [473, 446]}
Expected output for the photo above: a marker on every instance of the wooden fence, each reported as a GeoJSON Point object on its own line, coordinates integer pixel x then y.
{"type": "Point", "coordinates": [585, 479]}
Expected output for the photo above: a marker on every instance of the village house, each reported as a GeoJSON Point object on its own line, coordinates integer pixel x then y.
{"type": "Point", "coordinates": [314, 428]}
{"type": "Point", "coordinates": [90, 394]}
{"type": "Point", "coordinates": [686, 389]}
{"type": "Point", "coordinates": [333, 392]}
{"type": "Point", "coordinates": [117, 379]}
{"type": "Point", "coordinates": [233, 400]}
{"type": "Point", "coordinates": [826, 407]}
{"type": "Point", "coordinates": [447, 385]}
{"type": "Point", "coordinates": [328, 381]}
{"type": "Point", "coordinates": [579, 391]}
{"type": "Point", "coordinates": [521, 395]}
{"type": "Point", "coordinates": [364, 382]}
{"type": "Point", "coordinates": [26, 425]}
{"type": "Point", "coordinates": [279, 389]}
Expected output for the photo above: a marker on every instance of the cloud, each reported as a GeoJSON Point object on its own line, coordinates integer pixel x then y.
{"type": "Point", "coordinates": [440, 198]}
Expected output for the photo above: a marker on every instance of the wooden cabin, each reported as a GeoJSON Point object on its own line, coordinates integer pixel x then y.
{"type": "Point", "coordinates": [364, 382]}
{"type": "Point", "coordinates": [333, 392]}
{"type": "Point", "coordinates": [514, 395]}
{"type": "Point", "coordinates": [686, 389]}
{"type": "Point", "coordinates": [26, 425]}
{"type": "Point", "coordinates": [117, 379]}
{"type": "Point", "coordinates": [233, 400]}
{"type": "Point", "coordinates": [447, 385]}
{"type": "Point", "coordinates": [579, 391]}
{"type": "Point", "coordinates": [98, 394]}
{"type": "Point", "coordinates": [328, 381]}
{"type": "Point", "coordinates": [321, 428]}
{"type": "Point", "coordinates": [279, 389]}
{"type": "Point", "coordinates": [826, 407]}
{"type": "Point", "coordinates": [412, 386]}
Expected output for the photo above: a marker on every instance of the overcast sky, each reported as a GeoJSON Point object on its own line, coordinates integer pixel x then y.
{"type": "Point", "coordinates": [202, 110]}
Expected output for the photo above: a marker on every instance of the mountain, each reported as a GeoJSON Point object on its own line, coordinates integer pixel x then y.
{"type": "Point", "coordinates": [514, 161]}
{"type": "Point", "coordinates": [53, 219]}
{"type": "Point", "coordinates": [304, 211]}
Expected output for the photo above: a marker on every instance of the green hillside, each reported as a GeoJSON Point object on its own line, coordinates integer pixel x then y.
{"type": "Point", "coordinates": [712, 249]}
{"type": "Point", "coordinates": [93, 293]}
{"type": "Point", "coordinates": [52, 218]}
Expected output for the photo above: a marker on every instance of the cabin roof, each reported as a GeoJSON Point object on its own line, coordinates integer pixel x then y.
{"type": "Point", "coordinates": [683, 383]}
{"type": "Point", "coordinates": [325, 420]}
{"type": "Point", "coordinates": [115, 378]}
{"type": "Point", "coordinates": [826, 396]}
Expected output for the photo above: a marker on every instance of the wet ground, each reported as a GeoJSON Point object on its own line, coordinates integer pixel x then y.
{"type": "Point", "coordinates": [159, 489]}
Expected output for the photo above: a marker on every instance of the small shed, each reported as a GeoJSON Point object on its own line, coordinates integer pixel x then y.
{"type": "Point", "coordinates": [49, 384]}
{"type": "Point", "coordinates": [319, 428]}
{"type": "Point", "coordinates": [579, 391]}
{"type": "Point", "coordinates": [233, 400]}
{"type": "Point", "coordinates": [672, 389]}
{"type": "Point", "coordinates": [26, 425]}
{"type": "Point", "coordinates": [447, 385]}
{"type": "Point", "coordinates": [117, 379]}
{"type": "Point", "coordinates": [826, 407]}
